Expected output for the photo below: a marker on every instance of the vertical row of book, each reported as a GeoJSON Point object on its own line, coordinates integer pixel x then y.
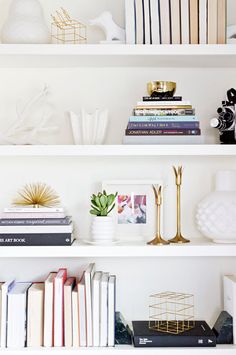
{"type": "Point", "coordinates": [61, 311]}
{"type": "Point", "coordinates": [176, 21]}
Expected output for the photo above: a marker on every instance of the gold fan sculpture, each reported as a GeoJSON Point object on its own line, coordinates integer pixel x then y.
{"type": "Point", "coordinates": [37, 195]}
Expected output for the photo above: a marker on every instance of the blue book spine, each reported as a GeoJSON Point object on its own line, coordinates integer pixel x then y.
{"type": "Point", "coordinates": [163, 125]}
{"type": "Point", "coordinates": [163, 119]}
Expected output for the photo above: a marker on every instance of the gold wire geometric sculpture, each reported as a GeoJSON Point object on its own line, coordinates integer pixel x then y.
{"type": "Point", "coordinates": [36, 195]}
{"type": "Point", "coordinates": [171, 312]}
{"type": "Point", "coordinates": [66, 30]}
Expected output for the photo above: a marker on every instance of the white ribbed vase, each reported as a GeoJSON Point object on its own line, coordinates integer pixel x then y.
{"type": "Point", "coordinates": [102, 229]}
{"type": "Point", "coordinates": [216, 213]}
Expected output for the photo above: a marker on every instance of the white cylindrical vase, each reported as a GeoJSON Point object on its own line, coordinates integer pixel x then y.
{"type": "Point", "coordinates": [102, 229]}
{"type": "Point", "coordinates": [216, 213]}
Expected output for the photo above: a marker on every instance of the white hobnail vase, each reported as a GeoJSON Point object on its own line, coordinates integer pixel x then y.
{"type": "Point", "coordinates": [216, 213]}
{"type": "Point", "coordinates": [102, 229]}
{"type": "Point", "coordinates": [25, 24]}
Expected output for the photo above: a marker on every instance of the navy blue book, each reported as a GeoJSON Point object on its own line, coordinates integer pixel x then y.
{"type": "Point", "coordinates": [163, 125]}
{"type": "Point", "coordinates": [200, 336]}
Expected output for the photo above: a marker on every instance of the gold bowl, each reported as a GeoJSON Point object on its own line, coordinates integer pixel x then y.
{"type": "Point", "coordinates": [161, 88]}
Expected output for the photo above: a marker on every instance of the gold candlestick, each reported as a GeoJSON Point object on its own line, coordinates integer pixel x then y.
{"type": "Point", "coordinates": [158, 240]}
{"type": "Point", "coordinates": [178, 181]}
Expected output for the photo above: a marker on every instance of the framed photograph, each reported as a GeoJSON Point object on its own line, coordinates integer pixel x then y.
{"type": "Point", "coordinates": [135, 210]}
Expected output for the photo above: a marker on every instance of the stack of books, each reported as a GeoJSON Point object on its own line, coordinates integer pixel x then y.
{"type": "Point", "coordinates": [176, 21]}
{"type": "Point", "coordinates": [163, 120]}
{"type": "Point", "coordinates": [35, 227]}
{"type": "Point", "coordinates": [60, 312]}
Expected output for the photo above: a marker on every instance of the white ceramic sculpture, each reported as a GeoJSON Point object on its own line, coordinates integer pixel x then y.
{"type": "Point", "coordinates": [89, 128]}
{"type": "Point", "coordinates": [25, 23]}
{"type": "Point", "coordinates": [32, 119]}
{"type": "Point", "coordinates": [113, 32]}
{"type": "Point", "coordinates": [216, 214]}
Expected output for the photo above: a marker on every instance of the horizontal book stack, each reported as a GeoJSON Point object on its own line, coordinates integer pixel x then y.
{"type": "Point", "coordinates": [176, 21]}
{"type": "Point", "coordinates": [62, 311]}
{"type": "Point", "coordinates": [163, 120]}
{"type": "Point", "coordinates": [35, 227]}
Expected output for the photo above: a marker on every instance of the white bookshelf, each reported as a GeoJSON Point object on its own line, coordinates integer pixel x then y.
{"type": "Point", "coordinates": [97, 55]}
{"type": "Point", "coordinates": [117, 76]}
{"type": "Point", "coordinates": [130, 250]}
{"type": "Point", "coordinates": [207, 150]}
{"type": "Point", "coordinates": [127, 350]}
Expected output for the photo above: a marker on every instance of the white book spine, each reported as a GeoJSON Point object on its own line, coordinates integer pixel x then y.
{"type": "Point", "coordinates": [165, 21]}
{"type": "Point", "coordinates": [48, 315]}
{"type": "Point", "coordinates": [58, 313]}
{"type": "Point", "coordinates": [35, 229]}
{"type": "Point", "coordinates": [163, 103]}
{"type": "Point", "coordinates": [68, 316]}
{"type": "Point", "coordinates": [16, 329]}
{"type": "Point", "coordinates": [6, 287]}
{"type": "Point", "coordinates": [130, 21]}
{"type": "Point", "coordinates": [96, 308]}
{"type": "Point", "coordinates": [185, 30]}
{"type": "Point", "coordinates": [155, 21]}
{"type": "Point", "coordinates": [82, 315]}
{"type": "Point", "coordinates": [147, 31]}
{"type": "Point", "coordinates": [33, 210]}
{"type": "Point", "coordinates": [75, 319]}
{"type": "Point", "coordinates": [104, 310]}
{"type": "Point", "coordinates": [111, 310]}
{"type": "Point", "coordinates": [203, 21]}
{"type": "Point", "coordinates": [89, 322]}
{"type": "Point", "coordinates": [139, 21]}
{"type": "Point", "coordinates": [175, 21]}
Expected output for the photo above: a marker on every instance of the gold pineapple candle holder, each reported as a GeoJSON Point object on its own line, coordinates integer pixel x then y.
{"type": "Point", "coordinates": [158, 240]}
{"type": "Point", "coordinates": [178, 181]}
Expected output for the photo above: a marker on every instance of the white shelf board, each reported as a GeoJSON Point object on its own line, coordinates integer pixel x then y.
{"type": "Point", "coordinates": [117, 150]}
{"type": "Point", "coordinates": [197, 248]}
{"type": "Point", "coordinates": [98, 55]}
{"type": "Point", "coordinates": [126, 350]}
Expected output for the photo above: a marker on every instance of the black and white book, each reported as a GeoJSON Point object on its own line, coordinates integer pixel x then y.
{"type": "Point", "coordinates": [146, 21]}
{"type": "Point", "coordinates": [199, 336]}
{"type": "Point", "coordinates": [16, 320]}
{"type": "Point", "coordinates": [5, 288]}
{"type": "Point", "coordinates": [36, 239]}
{"type": "Point", "coordinates": [88, 275]}
{"type": "Point", "coordinates": [185, 21]}
{"type": "Point", "coordinates": [164, 98]}
{"type": "Point", "coordinates": [165, 21]}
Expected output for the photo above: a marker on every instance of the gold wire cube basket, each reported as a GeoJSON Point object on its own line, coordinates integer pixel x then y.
{"type": "Point", "coordinates": [171, 312]}
{"type": "Point", "coordinates": [65, 30]}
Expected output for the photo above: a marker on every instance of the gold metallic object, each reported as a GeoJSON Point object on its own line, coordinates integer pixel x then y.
{"type": "Point", "coordinates": [36, 195]}
{"type": "Point", "coordinates": [158, 240]}
{"type": "Point", "coordinates": [161, 88]}
{"type": "Point", "coordinates": [65, 30]}
{"type": "Point", "coordinates": [171, 312]}
{"type": "Point", "coordinates": [178, 181]}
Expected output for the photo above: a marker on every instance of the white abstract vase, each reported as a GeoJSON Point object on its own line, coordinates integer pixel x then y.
{"type": "Point", "coordinates": [25, 24]}
{"type": "Point", "coordinates": [89, 128]}
{"type": "Point", "coordinates": [102, 229]}
{"type": "Point", "coordinates": [216, 214]}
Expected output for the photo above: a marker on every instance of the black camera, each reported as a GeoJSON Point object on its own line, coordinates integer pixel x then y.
{"type": "Point", "coordinates": [225, 122]}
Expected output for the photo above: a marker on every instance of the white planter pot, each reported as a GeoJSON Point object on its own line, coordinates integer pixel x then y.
{"type": "Point", "coordinates": [216, 214]}
{"type": "Point", "coordinates": [102, 229]}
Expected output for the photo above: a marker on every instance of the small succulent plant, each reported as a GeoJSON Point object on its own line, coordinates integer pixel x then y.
{"type": "Point", "coordinates": [102, 204]}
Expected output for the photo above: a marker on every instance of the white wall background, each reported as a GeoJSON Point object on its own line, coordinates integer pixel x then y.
{"type": "Point", "coordinates": [76, 178]}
